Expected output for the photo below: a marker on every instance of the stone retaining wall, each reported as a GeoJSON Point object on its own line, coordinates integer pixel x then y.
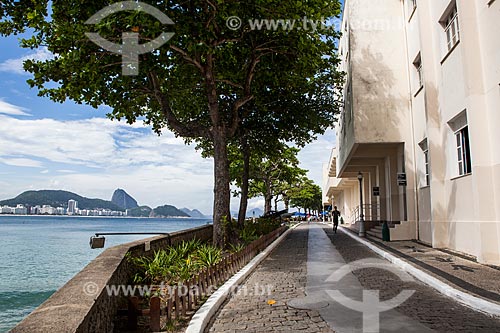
{"type": "Point", "coordinates": [82, 304]}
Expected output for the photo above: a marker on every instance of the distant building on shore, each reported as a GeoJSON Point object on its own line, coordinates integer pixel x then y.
{"type": "Point", "coordinates": [72, 207]}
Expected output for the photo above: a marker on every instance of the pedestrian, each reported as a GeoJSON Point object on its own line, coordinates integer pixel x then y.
{"type": "Point", "coordinates": [336, 215]}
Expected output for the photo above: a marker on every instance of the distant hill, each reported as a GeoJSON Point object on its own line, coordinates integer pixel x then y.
{"type": "Point", "coordinates": [123, 199]}
{"type": "Point", "coordinates": [168, 211]}
{"type": "Point", "coordinates": [58, 199]}
{"type": "Point", "coordinates": [195, 213]}
{"type": "Point", "coordinates": [142, 211]}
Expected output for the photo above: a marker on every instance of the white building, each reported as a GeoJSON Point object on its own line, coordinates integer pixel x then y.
{"type": "Point", "coordinates": [6, 210]}
{"type": "Point", "coordinates": [422, 98]}
{"type": "Point", "coordinates": [20, 210]}
{"type": "Point", "coordinates": [47, 210]}
{"type": "Point", "coordinates": [72, 207]}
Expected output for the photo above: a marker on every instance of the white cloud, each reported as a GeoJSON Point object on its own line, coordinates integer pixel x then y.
{"type": "Point", "coordinates": [314, 155]}
{"type": "Point", "coordinates": [21, 162]}
{"type": "Point", "coordinates": [93, 157]}
{"type": "Point", "coordinates": [10, 109]}
{"type": "Point", "coordinates": [16, 65]}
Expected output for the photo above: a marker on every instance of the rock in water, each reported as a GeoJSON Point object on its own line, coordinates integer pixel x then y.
{"type": "Point", "coordinates": [123, 200]}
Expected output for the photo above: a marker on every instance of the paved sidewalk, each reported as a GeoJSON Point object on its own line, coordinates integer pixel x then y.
{"type": "Point", "coordinates": [426, 306]}
{"type": "Point", "coordinates": [463, 274]}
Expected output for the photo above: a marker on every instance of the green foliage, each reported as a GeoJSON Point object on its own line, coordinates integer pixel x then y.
{"type": "Point", "coordinates": [277, 170]}
{"type": "Point", "coordinates": [208, 256]}
{"type": "Point", "coordinates": [253, 230]}
{"type": "Point", "coordinates": [175, 264]}
{"type": "Point", "coordinates": [306, 195]}
{"type": "Point", "coordinates": [235, 248]}
{"type": "Point", "coordinates": [249, 233]}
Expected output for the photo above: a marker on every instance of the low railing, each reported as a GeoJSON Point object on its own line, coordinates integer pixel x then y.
{"type": "Point", "coordinates": [371, 213]}
{"type": "Point", "coordinates": [175, 302]}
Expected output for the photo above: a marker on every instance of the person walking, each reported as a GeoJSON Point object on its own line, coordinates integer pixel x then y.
{"type": "Point", "coordinates": [336, 215]}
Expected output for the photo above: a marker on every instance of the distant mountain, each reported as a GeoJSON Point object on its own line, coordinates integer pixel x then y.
{"type": "Point", "coordinates": [123, 199]}
{"type": "Point", "coordinates": [142, 211]}
{"type": "Point", "coordinates": [195, 213]}
{"type": "Point", "coordinates": [58, 199]}
{"type": "Point", "coordinates": [168, 211]}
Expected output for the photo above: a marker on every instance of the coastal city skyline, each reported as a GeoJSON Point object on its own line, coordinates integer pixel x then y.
{"type": "Point", "coordinates": [50, 146]}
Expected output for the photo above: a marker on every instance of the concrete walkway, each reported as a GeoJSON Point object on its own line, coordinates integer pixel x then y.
{"type": "Point", "coordinates": [326, 290]}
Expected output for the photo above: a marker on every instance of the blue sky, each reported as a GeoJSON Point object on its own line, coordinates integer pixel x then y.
{"type": "Point", "coordinates": [47, 145]}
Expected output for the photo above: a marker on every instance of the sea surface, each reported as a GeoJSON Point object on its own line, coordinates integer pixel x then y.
{"type": "Point", "coordinates": [39, 254]}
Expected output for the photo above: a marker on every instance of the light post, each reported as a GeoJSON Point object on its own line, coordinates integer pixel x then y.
{"type": "Point", "coordinates": [361, 215]}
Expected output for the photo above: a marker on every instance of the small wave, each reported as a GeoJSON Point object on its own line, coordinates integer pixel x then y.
{"type": "Point", "coordinates": [15, 305]}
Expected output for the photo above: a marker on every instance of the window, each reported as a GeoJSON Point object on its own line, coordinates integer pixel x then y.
{"type": "Point", "coordinates": [460, 129]}
{"type": "Point", "coordinates": [425, 151]}
{"type": "Point", "coordinates": [418, 66]}
{"type": "Point", "coordinates": [463, 151]}
{"type": "Point", "coordinates": [451, 28]}
{"type": "Point", "coordinates": [426, 162]}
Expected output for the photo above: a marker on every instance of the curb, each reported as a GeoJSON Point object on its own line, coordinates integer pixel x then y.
{"type": "Point", "coordinates": [471, 301]}
{"type": "Point", "coordinates": [207, 311]}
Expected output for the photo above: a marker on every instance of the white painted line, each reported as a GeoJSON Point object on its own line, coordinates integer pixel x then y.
{"type": "Point", "coordinates": [205, 313]}
{"type": "Point", "coordinates": [473, 302]}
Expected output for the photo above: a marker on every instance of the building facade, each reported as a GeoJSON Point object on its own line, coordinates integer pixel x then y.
{"type": "Point", "coordinates": [421, 106]}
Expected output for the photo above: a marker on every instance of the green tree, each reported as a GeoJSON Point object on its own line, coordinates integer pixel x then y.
{"type": "Point", "coordinates": [273, 171]}
{"type": "Point", "coordinates": [199, 84]}
{"type": "Point", "coordinates": [306, 195]}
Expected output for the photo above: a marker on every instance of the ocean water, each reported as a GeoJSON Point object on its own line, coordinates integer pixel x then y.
{"type": "Point", "coordinates": [39, 254]}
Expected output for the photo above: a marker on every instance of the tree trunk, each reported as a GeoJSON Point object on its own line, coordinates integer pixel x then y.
{"type": "Point", "coordinates": [268, 198]}
{"type": "Point", "coordinates": [222, 195]}
{"type": "Point", "coordinates": [244, 183]}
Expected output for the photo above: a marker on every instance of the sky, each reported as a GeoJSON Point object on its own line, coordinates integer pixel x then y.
{"type": "Point", "coordinates": [48, 145]}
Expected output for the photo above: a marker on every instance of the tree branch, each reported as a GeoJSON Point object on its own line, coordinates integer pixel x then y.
{"type": "Point", "coordinates": [188, 58]}
{"type": "Point", "coordinates": [231, 83]}
{"type": "Point", "coordinates": [191, 129]}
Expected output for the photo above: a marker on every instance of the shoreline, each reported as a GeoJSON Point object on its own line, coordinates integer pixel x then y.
{"type": "Point", "coordinates": [117, 217]}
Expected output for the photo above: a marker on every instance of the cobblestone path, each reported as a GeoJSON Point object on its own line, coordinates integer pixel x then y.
{"type": "Point", "coordinates": [284, 273]}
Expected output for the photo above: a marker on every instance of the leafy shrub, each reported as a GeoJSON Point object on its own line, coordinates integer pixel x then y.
{"type": "Point", "coordinates": [207, 256]}
{"type": "Point", "coordinates": [176, 263]}
{"type": "Point", "coordinates": [253, 230]}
